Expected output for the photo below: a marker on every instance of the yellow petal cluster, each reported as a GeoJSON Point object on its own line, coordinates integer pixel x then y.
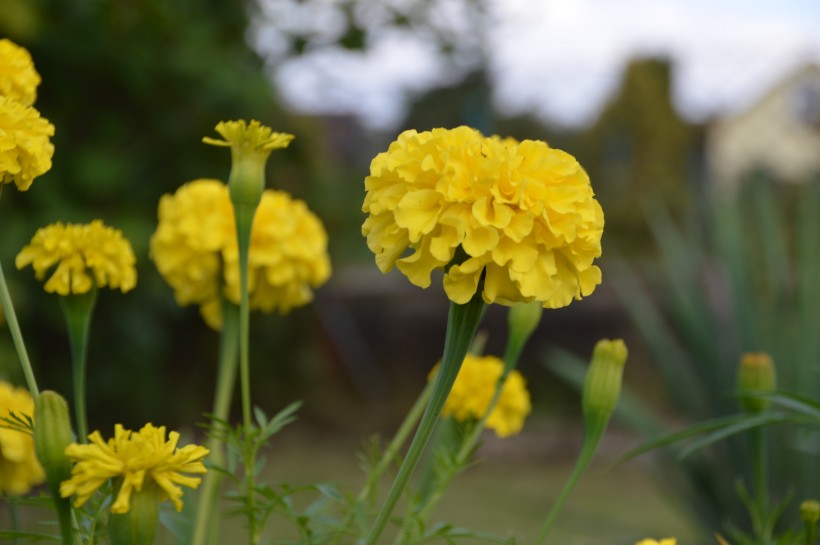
{"type": "Point", "coordinates": [195, 250]}
{"type": "Point", "coordinates": [25, 145]}
{"type": "Point", "coordinates": [521, 214]}
{"type": "Point", "coordinates": [80, 256]}
{"type": "Point", "coordinates": [250, 136]}
{"type": "Point", "coordinates": [474, 389]}
{"type": "Point", "coordinates": [19, 468]}
{"type": "Point", "coordinates": [666, 541]}
{"type": "Point", "coordinates": [25, 148]}
{"type": "Point", "coordinates": [18, 78]}
{"type": "Point", "coordinates": [131, 459]}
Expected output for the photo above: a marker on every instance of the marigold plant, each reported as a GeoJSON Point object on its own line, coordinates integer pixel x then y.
{"type": "Point", "coordinates": [195, 250]}
{"type": "Point", "coordinates": [475, 388]}
{"type": "Point", "coordinates": [19, 468]}
{"type": "Point", "coordinates": [133, 459]}
{"type": "Point", "coordinates": [522, 213]}
{"type": "Point", "coordinates": [18, 77]}
{"type": "Point", "coordinates": [80, 256]}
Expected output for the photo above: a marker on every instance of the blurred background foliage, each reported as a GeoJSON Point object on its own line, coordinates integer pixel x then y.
{"type": "Point", "coordinates": [133, 86]}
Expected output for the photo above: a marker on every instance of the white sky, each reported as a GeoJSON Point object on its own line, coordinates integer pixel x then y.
{"type": "Point", "coordinates": [562, 58]}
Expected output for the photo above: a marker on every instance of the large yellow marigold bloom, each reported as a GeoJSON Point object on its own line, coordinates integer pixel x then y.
{"type": "Point", "coordinates": [18, 78]}
{"type": "Point", "coordinates": [133, 460]}
{"type": "Point", "coordinates": [19, 468]}
{"type": "Point", "coordinates": [25, 148]}
{"type": "Point", "coordinates": [195, 250]}
{"type": "Point", "coordinates": [523, 214]}
{"type": "Point", "coordinates": [80, 256]}
{"type": "Point", "coordinates": [474, 389]}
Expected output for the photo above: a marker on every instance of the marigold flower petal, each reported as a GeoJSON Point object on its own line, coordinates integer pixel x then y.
{"type": "Point", "coordinates": [25, 148]}
{"type": "Point", "coordinates": [131, 458]}
{"type": "Point", "coordinates": [18, 78]}
{"type": "Point", "coordinates": [85, 255]}
{"type": "Point", "coordinates": [474, 390]}
{"type": "Point", "coordinates": [19, 468]}
{"type": "Point", "coordinates": [194, 248]}
{"type": "Point", "coordinates": [523, 213]}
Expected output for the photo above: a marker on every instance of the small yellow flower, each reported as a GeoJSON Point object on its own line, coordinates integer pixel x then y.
{"type": "Point", "coordinates": [25, 148]}
{"type": "Point", "coordinates": [195, 250]}
{"type": "Point", "coordinates": [521, 214]}
{"type": "Point", "coordinates": [251, 136]}
{"type": "Point", "coordinates": [81, 256]}
{"type": "Point", "coordinates": [666, 541]}
{"type": "Point", "coordinates": [18, 78]}
{"type": "Point", "coordinates": [19, 468]}
{"type": "Point", "coordinates": [133, 459]}
{"type": "Point", "coordinates": [474, 390]}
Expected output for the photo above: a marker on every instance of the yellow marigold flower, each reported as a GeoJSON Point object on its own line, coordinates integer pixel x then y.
{"type": "Point", "coordinates": [18, 78]}
{"type": "Point", "coordinates": [25, 148]}
{"type": "Point", "coordinates": [252, 136]}
{"type": "Point", "coordinates": [133, 460]}
{"type": "Point", "coordinates": [474, 390]}
{"type": "Point", "coordinates": [81, 256]}
{"type": "Point", "coordinates": [19, 468]}
{"type": "Point", "coordinates": [666, 541]}
{"type": "Point", "coordinates": [522, 213]}
{"type": "Point", "coordinates": [195, 250]}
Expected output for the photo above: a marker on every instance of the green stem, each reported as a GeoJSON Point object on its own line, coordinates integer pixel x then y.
{"type": "Point", "coordinates": [461, 326]}
{"type": "Point", "coordinates": [581, 464]}
{"type": "Point", "coordinates": [760, 466]}
{"type": "Point", "coordinates": [517, 338]}
{"type": "Point", "coordinates": [77, 309]}
{"type": "Point", "coordinates": [15, 518]}
{"type": "Point", "coordinates": [17, 336]}
{"type": "Point", "coordinates": [244, 224]}
{"type": "Point", "coordinates": [204, 524]}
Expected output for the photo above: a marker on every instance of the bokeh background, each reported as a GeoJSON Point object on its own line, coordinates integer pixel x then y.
{"type": "Point", "coordinates": [698, 122]}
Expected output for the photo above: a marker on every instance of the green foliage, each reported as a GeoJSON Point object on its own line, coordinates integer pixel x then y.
{"type": "Point", "coordinates": [742, 278]}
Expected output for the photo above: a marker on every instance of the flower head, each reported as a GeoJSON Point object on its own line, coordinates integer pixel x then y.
{"type": "Point", "coordinates": [474, 389]}
{"type": "Point", "coordinates": [195, 250]}
{"type": "Point", "coordinates": [85, 255]}
{"type": "Point", "coordinates": [18, 78]}
{"type": "Point", "coordinates": [25, 148]}
{"type": "Point", "coordinates": [133, 460]}
{"type": "Point", "coordinates": [19, 468]}
{"type": "Point", "coordinates": [252, 136]}
{"type": "Point", "coordinates": [520, 214]}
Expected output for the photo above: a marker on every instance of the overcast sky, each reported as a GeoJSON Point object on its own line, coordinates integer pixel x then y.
{"type": "Point", "coordinates": [562, 58]}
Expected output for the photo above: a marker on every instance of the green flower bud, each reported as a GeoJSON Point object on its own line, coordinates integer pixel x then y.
{"type": "Point", "coordinates": [810, 512]}
{"type": "Point", "coordinates": [52, 434]}
{"type": "Point", "coordinates": [756, 373]}
{"type": "Point", "coordinates": [602, 385]}
{"type": "Point", "coordinates": [139, 525]}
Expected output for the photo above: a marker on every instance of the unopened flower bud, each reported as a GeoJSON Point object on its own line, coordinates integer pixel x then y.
{"type": "Point", "coordinates": [52, 434]}
{"type": "Point", "coordinates": [602, 385]}
{"type": "Point", "coordinates": [810, 512]}
{"type": "Point", "coordinates": [756, 374]}
{"type": "Point", "coordinates": [139, 525]}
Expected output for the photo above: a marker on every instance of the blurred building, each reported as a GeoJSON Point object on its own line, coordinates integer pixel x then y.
{"type": "Point", "coordinates": [778, 135]}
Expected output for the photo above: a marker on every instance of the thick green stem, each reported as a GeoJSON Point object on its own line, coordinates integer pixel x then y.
{"type": "Point", "coordinates": [244, 224]}
{"type": "Point", "coordinates": [461, 326]}
{"type": "Point", "coordinates": [17, 336]}
{"type": "Point", "coordinates": [204, 524]}
{"type": "Point", "coordinates": [77, 309]}
{"type": "Point", "coordinates": [519, 333]}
